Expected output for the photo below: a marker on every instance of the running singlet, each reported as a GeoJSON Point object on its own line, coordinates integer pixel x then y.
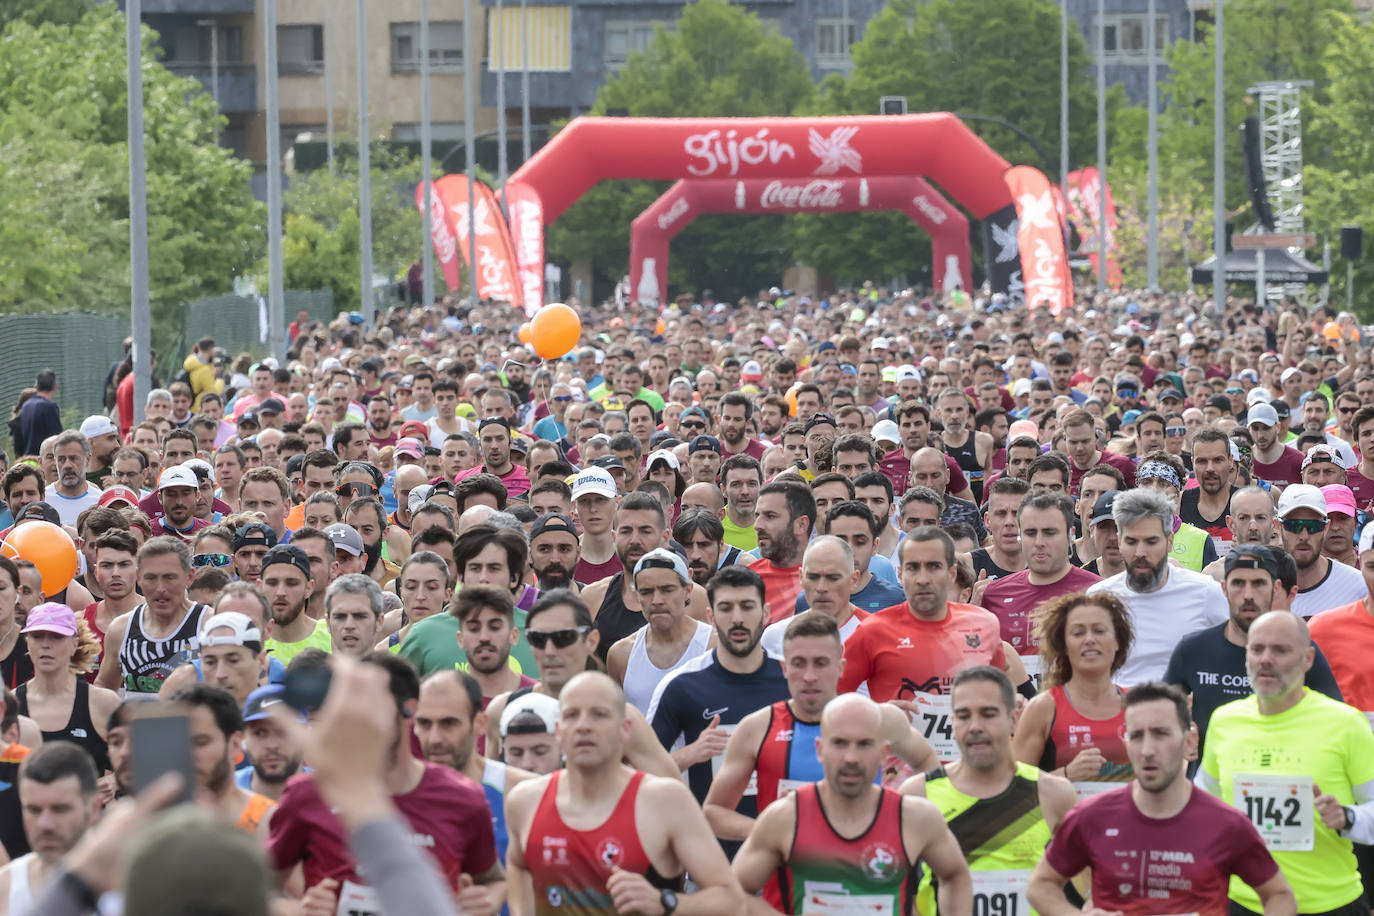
{"type": "Point", "coordinates": [787, 755]}
{"type": "Point", "coordinates": [966, 454]}
{"type": "Point", "coordinates": [901, 655]}
{"type": "Point", "coordinates": [1004, 833]}
{"type": "Point", "coordinates": [614, 621]}
{"type": "Point", "coordinates": [1145, 865]}
{"type": "Point", "coordinates": [826, 872]}
{"type": "Point", "coordinates": [569, 868]}
{"type": "Point", "coordinates": [145, 663]}
{"type": "Point", "coordinates": [1071, 732]}
{"type": "Point", "coordinates": [642, 675]}
{"type": "Point", "coordinates": [585, 573]}
{"type": "Point", "coordinates": [80, 729]}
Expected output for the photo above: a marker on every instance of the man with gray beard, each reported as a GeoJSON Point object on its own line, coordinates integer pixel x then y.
{"type": "Point", "coordinates": [1166, 602]}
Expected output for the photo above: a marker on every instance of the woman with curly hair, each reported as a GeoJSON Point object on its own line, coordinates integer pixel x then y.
{"type": "Point", "coordinates": [66, 708]}
{"type": "Point", "coordinates": [1076, 727]}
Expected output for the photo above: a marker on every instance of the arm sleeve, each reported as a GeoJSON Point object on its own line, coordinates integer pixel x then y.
{"type": "Point", "coordinates": [1175, 673]}
{"type": "Point", "coordinates": [666, 724]}
{"type": "Point", "coordinates": [405, 882]}
{"type": "Point", "coordinates": [1321, 678]}
{"type": "Point", "coordinates": [285, 838]}
{"type": "Point", "coordinates": [1206, 781]}
{"type": "Point", "coordinates": [1067, 853]}
{"type": "Point", "coordinates": [1209, 555]}
{"type": "Point", "coordinates": [856, 663]}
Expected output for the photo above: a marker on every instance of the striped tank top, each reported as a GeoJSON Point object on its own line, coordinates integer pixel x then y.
{"type": "Point", "coordinates": [144, 663]}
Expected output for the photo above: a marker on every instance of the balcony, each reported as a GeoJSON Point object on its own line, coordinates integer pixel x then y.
{"type": "Point", "coordinates": [199, 7]}
{"type": "Point", "coordinates": [238, 83]}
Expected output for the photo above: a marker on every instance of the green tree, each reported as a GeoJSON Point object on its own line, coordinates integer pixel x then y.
{"type": "Point", "coordinates": [1339, 185]}
{"type": "Point", "coordinates": [719, 61]}
{"type": "Point", "coordinates": [321, 230]}
{"type": "Point", "coordinates": [64, 174]}
{"type": "Point", "coordinates": [997, 58]}
{"type": "Point", "coordinates": [34, 12]}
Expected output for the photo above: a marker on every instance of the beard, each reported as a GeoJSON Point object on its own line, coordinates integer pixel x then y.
{"type": "Point", "coordinates": [373, 552]}
{"type": "Point", "coordinates": [276, 779]}
{"type": "Point", "coordinates": [780, 546]}
{"type": "Point", "coordinates": [723, 640]}
{"type": "Point", "coordinates": [554, 576]}
{"type": "Point", "coordinates": [1149, 581]}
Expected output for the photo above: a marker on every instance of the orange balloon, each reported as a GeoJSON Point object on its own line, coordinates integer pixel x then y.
{"type": "Point", "coordinates": [524, 333]}
{"type": "Point", "coordinates": [48, 547]}
{"type": "Point", "coordinates": [555, 330]}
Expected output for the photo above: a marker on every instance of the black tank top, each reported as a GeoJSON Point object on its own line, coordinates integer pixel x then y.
{"type": "Point", "coordinates": [966, 455]}
{"type": "Point", "coordinates": [80, 729]}
{"type": "Point", "coordinates": [983, 562]}
{"type": "Point", "coordinates": [614, 620]}
{"type": "Point", "coordinates": [145, 663]}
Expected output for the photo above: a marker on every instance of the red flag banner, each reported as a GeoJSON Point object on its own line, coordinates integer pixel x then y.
{"type": "Point", "coordinates": [445, 246]}
{"type": "Point", "coordinates": [527, 236]}
{"type": "Point", "coordinates": [495, 270]}
{"type": "Point", "coordinates": [1086, 186]}
{"type": "Point", "coordinates": [1040, 237]}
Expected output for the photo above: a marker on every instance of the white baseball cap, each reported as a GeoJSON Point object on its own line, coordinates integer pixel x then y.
{"type": "Point", "coordinates": [1258, 396]}
{"type": "Point", "coordinates": [1301, 496]}
{"type": "Point", "coordinates": [97, 425]}
{"type": "Point", "coordinates": [886, 431]}
{"type": "Point", "coordinates": [664, 454]}
{"type": "Point", "coordinates": [908, 372]}
{"type": "Point", "coordinates": [593, 480]}
{"type": "Point", "coordinates": [178, 476]}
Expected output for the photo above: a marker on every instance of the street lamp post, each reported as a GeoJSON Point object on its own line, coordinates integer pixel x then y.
{"type": "Point", "coordinates": [140, 320]}
{"type": "Point", "coordinates": [1219, 167]}
{"type": "Point", "coordinates": [364, 176]}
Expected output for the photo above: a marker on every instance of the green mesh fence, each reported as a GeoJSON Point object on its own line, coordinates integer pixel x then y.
{"type": "Point", "coordinates": [81, 346]}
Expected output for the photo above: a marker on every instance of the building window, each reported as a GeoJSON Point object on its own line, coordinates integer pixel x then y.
{"type": "Point", "coordinates": [300, 49]}
{"type": "Point", "coordinates": [441, 131]}
{"type": "Point", "coordinates": [625, 38]}
{"type": "Point", "coordinates": [1124, 38]}
{"type": "Point", "coordinates": [832, 42]}
{"type": "Point", "coordinates": [445, 46]}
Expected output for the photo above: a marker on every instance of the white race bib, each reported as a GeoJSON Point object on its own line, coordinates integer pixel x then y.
{"type": "Point", "coordinates": [934, 719]}
{"type": "Point", "coordinates": [823, 898]}
{"type": "Point", "coordinates": [1000, 893]}
{"type": "Point", "coordinates": [358, 900]}
{"type": "Point", "coordinates": [1088, 789]}
{"type": "Point", "coordinates": [716, 761]}
{"type": "Point", "coordinates": [790, 785]}
{"type": "Point", "coordinates": [1032, 665]}
{"type": "Point", "coordinates": [1280, 807]}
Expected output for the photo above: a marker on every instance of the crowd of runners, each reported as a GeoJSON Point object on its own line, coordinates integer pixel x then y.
{"type": "Point", "coordinates": [872, 604]}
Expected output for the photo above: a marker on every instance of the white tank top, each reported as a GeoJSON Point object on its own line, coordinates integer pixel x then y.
{"type": "Point", "coordinates": [21, 894]}
{"type": "Point", "coordinates": [642, 675]}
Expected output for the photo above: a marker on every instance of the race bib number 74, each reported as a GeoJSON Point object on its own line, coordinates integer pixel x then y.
{"type": "Point", "coordinates": [1280, 807]}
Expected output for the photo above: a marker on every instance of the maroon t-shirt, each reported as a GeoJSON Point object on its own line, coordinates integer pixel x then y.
{"type": "Point", "coordinates": [896, 467]}
{"type": "Point", "coordinates": [752, 447]}
{"type": "Point", "coordinates": [585, 573]}
{"type": "Point", "coordinates": [1361, 486]}
{"type": "Point", "coordinates": [447, 812]}
{"type": "Point", "coordinates": [160, 527]}
{"type": "Point", "coordinates": [1143, 865]}
{"type": "Point", "coordinates": [1015, 600]}
{"type": "Point", "coordinates": [1123, 464]}
{"type": "Point", "coordinates": [1288, 469]}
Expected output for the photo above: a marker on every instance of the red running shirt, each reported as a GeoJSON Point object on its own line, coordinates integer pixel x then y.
{"type": "Point", "coordinates": [569, 868]}
{"type": "Point", "coordinates": [900, 655]}
{"type": "Point", "coordinates": [1072, 733]}
{"type": "Point", "coordinates": [782, 585]}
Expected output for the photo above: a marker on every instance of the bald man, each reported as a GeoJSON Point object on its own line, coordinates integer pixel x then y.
{"type": "Point", "coordinates": [846, 816]}
{"type": "Point", "coordinates": [621, 809]}
{"type": "Point", "coordinates": [705, 495]}
{"type": "Point", "coordinates": [929, 468]}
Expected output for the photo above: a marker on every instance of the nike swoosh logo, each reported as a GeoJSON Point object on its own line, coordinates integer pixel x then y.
{"type": "Point", "coordinates": [709, 714]}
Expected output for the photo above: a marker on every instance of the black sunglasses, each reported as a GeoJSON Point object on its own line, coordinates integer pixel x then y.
{"type": "Point", "coordinates": [1299, 525]}
{"type": "Point", "coordinates": [356, 489]}
{"type": "Point", "coordinates": [692, 424]}
{"type": "Point", "coordinates": [211, 559]}
{"type": "Point", "coordinates": [561, 639]}
{"type": "Point", "coordinates": [1173, 432]}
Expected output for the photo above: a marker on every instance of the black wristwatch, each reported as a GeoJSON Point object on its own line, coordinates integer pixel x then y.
{"type": "Point", "coordinates": [1349, 813]}
{"type": "Point", "coordinates": [668, 900]}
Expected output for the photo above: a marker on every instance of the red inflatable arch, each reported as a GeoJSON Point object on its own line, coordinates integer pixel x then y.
{"type": "Point", "coordinates": [589, 150]}
{"type": "Point", "coordinates": [654, 229]}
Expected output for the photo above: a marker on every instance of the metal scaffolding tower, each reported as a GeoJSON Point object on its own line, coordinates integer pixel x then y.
{"type": "Point", "coordinates": [1280, 117]}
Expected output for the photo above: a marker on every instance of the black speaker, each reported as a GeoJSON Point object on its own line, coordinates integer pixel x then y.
{"type": "Point", "coordinates": [1254, 173]}
{"type": "Point", "coordinates": [1352, 242]}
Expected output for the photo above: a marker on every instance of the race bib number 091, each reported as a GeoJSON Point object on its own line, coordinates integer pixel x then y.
{"type": "Point", "coordinates": [1280, 807]}
{"type": "Point", "coordinates": [1000, 893]}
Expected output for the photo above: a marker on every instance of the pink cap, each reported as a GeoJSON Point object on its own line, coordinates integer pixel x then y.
{"type": "Point", "coordinates": [1339, 498]}
{"type": "Point", "coordinates": [1023, 428]}
{"type": "Point", "coordinates": [51, 617]}
{"type": "Point", "coordinates": [410, 447]}
{"type": "Point", "coordinates": [115, 494]}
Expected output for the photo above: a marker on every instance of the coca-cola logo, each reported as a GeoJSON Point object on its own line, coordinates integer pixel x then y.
{"type": "Point", "coordinates": [713, 152]}
{"type": "Point", "coordinates": [819, 194]}
{"type": "Point", "coordinates": [674, 212]}
{"type": "Point", "coordinates": [932, 212]}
